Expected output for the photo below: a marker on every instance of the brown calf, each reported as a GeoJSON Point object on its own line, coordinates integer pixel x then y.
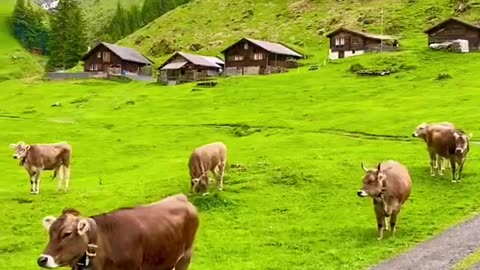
{"type": "Point", "coordinates": [157, 236]}
{"type": "Point", "coordinates": [210, 157]}
{"type": "Point", "coordinates": [36, 158]}
{"type": "Point", "coordinates": [389, 186]}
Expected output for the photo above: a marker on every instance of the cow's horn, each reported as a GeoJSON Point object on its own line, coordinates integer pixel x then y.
{"type": "Point", "coordinates": [364, 168]}
{"type": "Point", "coordinates": [378, 168]}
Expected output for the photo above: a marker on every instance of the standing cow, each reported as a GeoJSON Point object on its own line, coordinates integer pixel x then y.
{"type": "Point", "coordinates": [154, 236]}
{"type": "Point", "coordinates": [452, 144]}
{"type": "Point", "coordinates": [210, 157]}
{"type": "Point", "coordinates": [389, 186]}
{"type": "Point", "coordinates": [36, 158]}
{"type": "Point", "coordinates": [439, 162]}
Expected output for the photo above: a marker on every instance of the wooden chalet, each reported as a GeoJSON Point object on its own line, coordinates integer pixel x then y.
{"type": "Point", "coordinates": [454, 29]}
{"type": "Point", "coordinates": [186, 67]}
{"type": "Point", "coordinates": [250, 56]}
{"type": "Point", "coordinates": [114, 59]}
{"type": "Point", "coordinates": [346, 42]}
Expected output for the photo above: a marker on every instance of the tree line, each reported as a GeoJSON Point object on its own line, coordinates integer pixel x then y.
{"type": "Point", "coordinates": [61, 32]}
{"type": "Point", "coordinates": [127, 20]}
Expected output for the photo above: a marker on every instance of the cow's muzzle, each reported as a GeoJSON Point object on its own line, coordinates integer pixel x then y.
{"type": "Point", "coordinates": [362, 193]}
{"type": "Point", "coordinates": [46, 261]}
{"type": "Point", "coordinates": [15, 157]}
{"type": "Point", "coordinates": [414, 134]}
{"type": "Point", "coordinates": [459, 151]}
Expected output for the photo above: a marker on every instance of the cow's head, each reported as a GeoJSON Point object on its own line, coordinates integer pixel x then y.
{"type": "Point", "coordinates": [373, 182]}
{"type": "Point", "coordinates": [68, 239]}
{"type": "Point", "coordinates": [420, 131]}
{"type": "Point", "coordinates": [21, 150]}
{"type": "Point", "coordinates": [461, 142]}
{"type": "Point", "coordinates": [200, 184]}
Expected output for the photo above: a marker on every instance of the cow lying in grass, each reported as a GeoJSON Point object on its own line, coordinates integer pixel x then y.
{"type": "Point", "coordinates": [36, 158]}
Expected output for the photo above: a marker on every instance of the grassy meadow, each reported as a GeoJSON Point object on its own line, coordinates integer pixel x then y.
{"type": "Point", "coordinates": [296, 141]}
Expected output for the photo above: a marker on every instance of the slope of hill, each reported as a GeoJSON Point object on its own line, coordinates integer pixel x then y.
{"type": "Point", "coordinates": [98, 13]}
{"type": "Point", "coordinates": [15, 61]}
{"type": "Point", "coordinates": [302, 23]}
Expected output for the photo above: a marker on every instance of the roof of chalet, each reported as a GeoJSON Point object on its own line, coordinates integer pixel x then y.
{"type": "Point", "coordinates": [125, 53]}
{"type": "Point", "coordinates": [196, 59]}
{"type": "Point", "coordinates": [277, 48]}
{"type": "Point", "coordinates": [442, 23]}
{"type": "Point", "coordinates": [361, 33]}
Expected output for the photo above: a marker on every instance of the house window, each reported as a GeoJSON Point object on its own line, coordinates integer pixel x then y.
{"type": "Point", "coordinates": [257, 56]}
{"type": "Point", "coordinates": [342, 41]}
{"type": "Point", "coordinates": [106, 56]}
{"type": "Point", "coordinates": [91, 67]}
{"type": "Point", "coordinates": [199, 70]}
{"type": "Point", "coordinates": [245, 46]}
{"type": "Point", "coordinates": [337, 42]}
{"type": "Point", "coordinates": [99, 55]}
{"type": "Point", "coordinates": [237, 58]}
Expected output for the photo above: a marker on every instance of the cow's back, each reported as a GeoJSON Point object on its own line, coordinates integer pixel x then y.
{"type": "Point", "coordinates": [50, 156]}
{"type": "Point", "coordinates": [158, 232]}
{"type": "Point", "coordinates": [398, 179]}
{"type": "Point", "coordinates": [440, 139]}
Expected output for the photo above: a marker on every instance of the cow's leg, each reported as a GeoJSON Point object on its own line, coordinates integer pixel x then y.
{"type": "Point", "coordinates": [432, 163]}
{"type": "Point", "coordinates": [37, 182]}
{"type": "Point", "coordinates": [184, 262]}
{"type": "Point", "coordinates": [59, 170]}
{"type": "Point", "coordinates": [66, 176]}
{"type": "Point", "coordinates": [32, 183]}
{"type": "Point", "coordinates": [440, 163]}
{"type": "Point", "coordinates": [379, 213]}
{"type": "Point", "coordinates": [221, 171]}
{"type": "Point", "coordinates": [393, 220]}
{"type": "Point", "coordinates": [452, 163]}
{"type": "Point", "coordinates": [460, 169]}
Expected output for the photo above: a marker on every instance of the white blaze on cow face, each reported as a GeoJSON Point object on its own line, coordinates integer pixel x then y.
{"type": "Point", "coordinates": [461, 143]}
{"type": "Point", "coordinates": [47, 261]}
{"type": "Point", "coordinates": [21, 150]}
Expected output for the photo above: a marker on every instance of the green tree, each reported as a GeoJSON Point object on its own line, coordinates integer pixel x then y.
{"type": "Point", "coordinates": [67, 39]}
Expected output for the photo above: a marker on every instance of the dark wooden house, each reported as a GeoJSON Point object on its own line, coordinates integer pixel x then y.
{"type": "Point", "coordinates": [454, 29]}
{"type": "Point", "coordinates": [346, 42]}
{"type": "Point", "coordinates": [186, 67]}
{"type": "Point", "coordinates": [115, 59]}
{"type": "Point", "coordinates": [250, 56]}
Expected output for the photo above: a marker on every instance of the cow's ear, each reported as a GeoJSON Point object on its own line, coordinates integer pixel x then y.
{"type": "Point", "coordinates": [27, 147]}
{"type": "Point", "coordinates": [195, 180]}
{"type": "Point", "coordinates": [48, 221]}
{"type": "Point", "coordinates": [83, 226]}
{"type": "Point", "coordinates": [13, 145]}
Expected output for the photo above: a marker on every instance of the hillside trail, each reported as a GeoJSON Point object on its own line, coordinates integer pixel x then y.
{"type": "Point", "coordinates": [442, 252]}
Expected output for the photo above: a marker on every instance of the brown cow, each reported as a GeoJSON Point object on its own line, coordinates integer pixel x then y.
{"type": "Point", "coordinates": [389, 186]}
{"type": "Point", "coordinates": [210, 157]}
{"type": "Point", "coordinates": [439, 162]}
{"type": "Point", "coordinates": [36, 158]}
{"type": "Point", "coordinates": [452, 144]}
{"type": "Point", "coordinates": [157, 236]}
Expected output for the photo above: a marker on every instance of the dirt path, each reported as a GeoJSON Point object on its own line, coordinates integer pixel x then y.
{"type": "Point", "coordinates": [441, 252]}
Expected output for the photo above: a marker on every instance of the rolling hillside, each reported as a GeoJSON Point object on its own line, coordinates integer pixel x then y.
{"type": "Point", "coordinates": [214, 24]}
{"type": "Point", "coordinates": [15, 62]}
{"type": "Point", "coordinates": [98, 12]}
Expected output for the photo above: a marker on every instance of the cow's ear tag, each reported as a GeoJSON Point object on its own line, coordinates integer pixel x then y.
{"type": "Point", "coordinates": [82, 227]}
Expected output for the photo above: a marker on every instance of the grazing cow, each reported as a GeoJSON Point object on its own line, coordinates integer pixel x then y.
{"type": "Point", "coordinates": [439, 162]}
{"type": "Point", "coordinates": [210, 157]}
{"type": "Point", "coordinates": [36, 158]}
{"type": "Point", "coordinates": [156, 236]}
{"type": "Point", "coordinates": [389, 186]}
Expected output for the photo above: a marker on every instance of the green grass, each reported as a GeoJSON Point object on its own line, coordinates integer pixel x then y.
{"type": "Point", "coordinates": [292, 204]}
{"type": "Point", "coordinates": [15, 61]}
{"type": "Point", "coordinates": [302, 24]}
